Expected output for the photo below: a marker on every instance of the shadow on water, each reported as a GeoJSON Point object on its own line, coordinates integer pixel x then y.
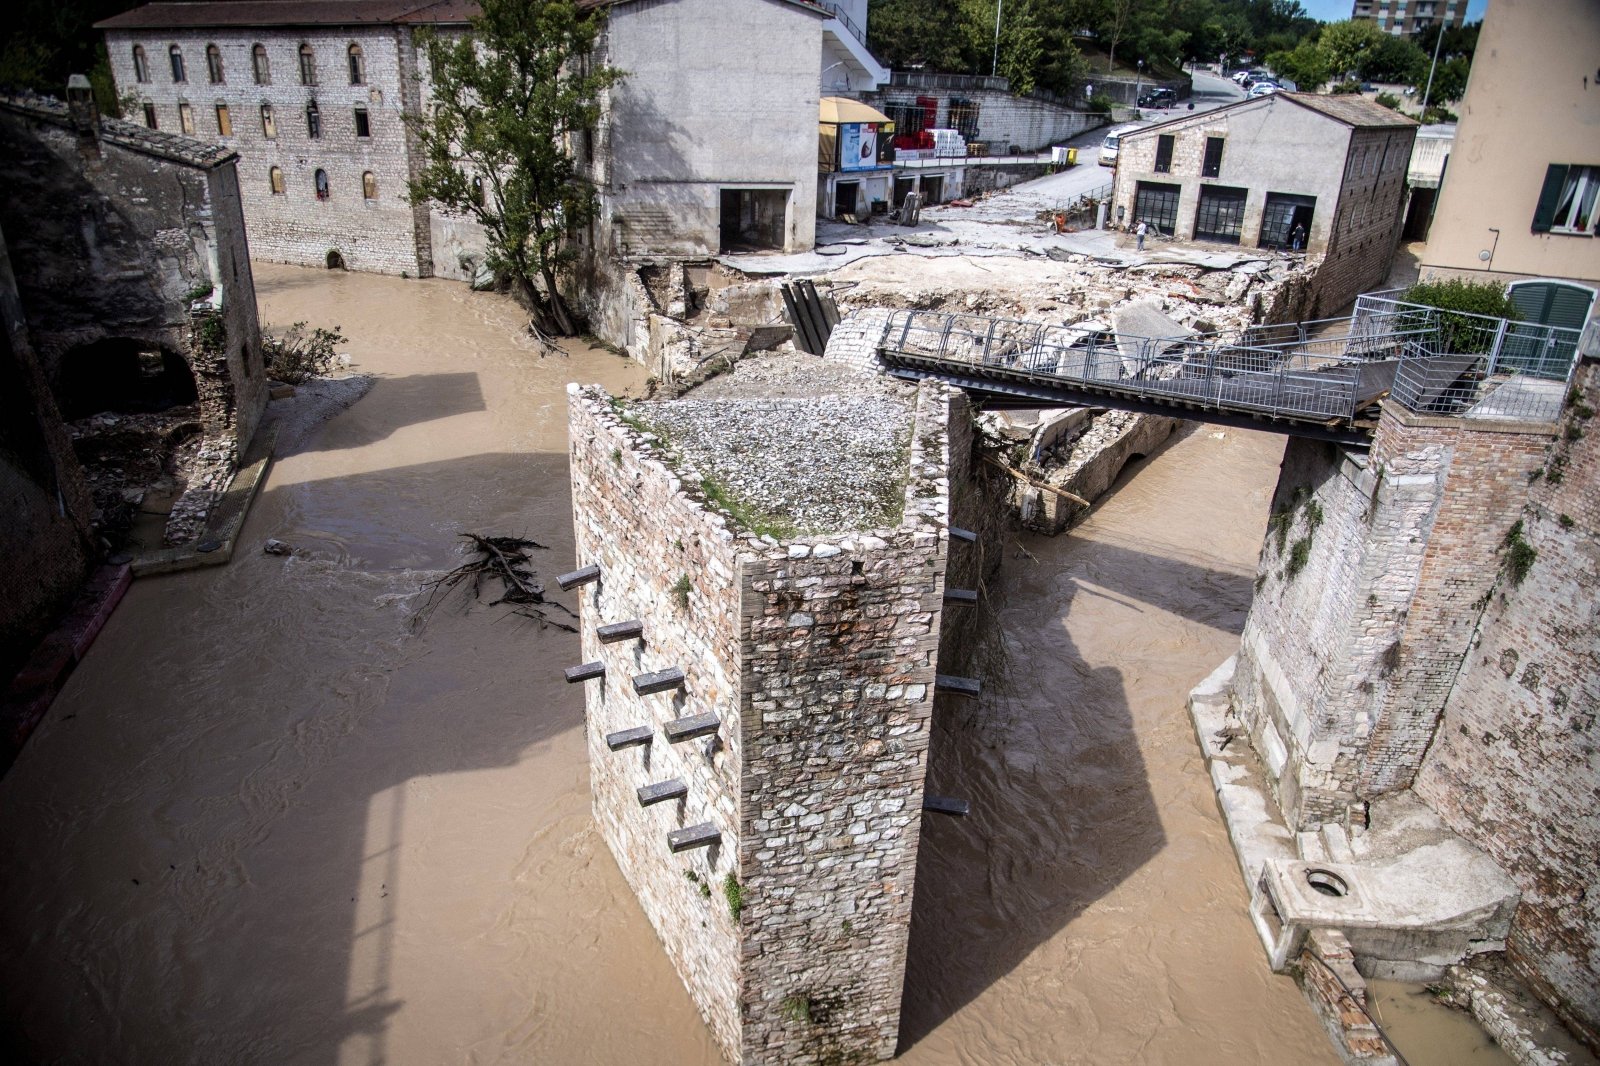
{"type": "Point", "coordinates": [262, 817]}
{"type": "Point", "coordinates": [1062, 806]}
{"type": "Point", "coordinates": [395, 404]}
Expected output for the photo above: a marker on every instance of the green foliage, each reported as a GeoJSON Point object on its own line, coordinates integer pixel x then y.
{"type": "Point", "coordinates": [758, 522]}
{"type": "Point", "coordinates": [200, 292]}
{"type": "Point", "coordinates": [1307, 66]}
{"type": "Point", "coordinates": [295, 355]}
{"type": "Point", "coordinates": [734, 894]}
{"type": "Point", "coordinates": [1347, 45]}
{"type": "Point", "coordinates": [1345, 88]}
{"type": "Point", "coordinates": [1567, 521]}
{"type": "Point", "coordinates": [796, 1009]}
{"type": "Point", "coordinates": [1392, 59]}
{"type": "Point", "coordinates": [1459, 333]}
{"type": "Point", "coordinates": [680, 592]}
{"type": "Point", "coordinates": [211, 333]}
{"type": "Point", "coordinates": [1520, 555]}
{"type": "Point", "coordinates": [1389, 100]}
{"type": "Point", "coordinates": [1299, 555]}
{"type": "Point", "coordinates": [514, 98]}
{"type": "Point", "coordinates": [1449, 80]}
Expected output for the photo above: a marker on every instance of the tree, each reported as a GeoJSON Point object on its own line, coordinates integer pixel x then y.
{"type": "Point", "coordinates": [510, 99]}
{"type": "Point", "coordinates": [1394, 59]}
{"type": "Point", "coordinates": [1346, 44]}
{"type": "Point", "coordinates": [1307, 66]}
{"type": "Point", "coordinates": [1449, 81]}
{"type": "Point", "coordinates": [913, 34]}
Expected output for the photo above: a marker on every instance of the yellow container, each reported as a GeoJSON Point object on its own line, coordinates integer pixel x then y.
{"type": "Point", "coordinates": [1072, 157]}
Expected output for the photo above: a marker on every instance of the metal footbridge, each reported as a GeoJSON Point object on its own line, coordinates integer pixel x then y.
{"type": "Point", "coordinates": [1322, 379]}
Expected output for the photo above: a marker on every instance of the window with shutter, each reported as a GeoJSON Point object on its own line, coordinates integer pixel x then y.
{"type": "Point", "coordinates": [1555, 176]}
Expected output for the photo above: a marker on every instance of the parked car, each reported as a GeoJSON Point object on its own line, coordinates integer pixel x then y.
{"type": "Point", "coordinates": [1159, 98]}
{"type": "Point", "coordinates": [1108, 147]}
{"type": "Point", "coordinates": [1263, 88]}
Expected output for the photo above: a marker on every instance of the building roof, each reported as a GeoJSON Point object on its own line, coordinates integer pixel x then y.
{"type": "Point", "coordinates": [158, 143]}
{"type": "Point", "coordinates": [809, 5]}
{"type": "Point", "coordinates": [194, 14]}
{"type": "Point", "coordinates": [1354, 111]}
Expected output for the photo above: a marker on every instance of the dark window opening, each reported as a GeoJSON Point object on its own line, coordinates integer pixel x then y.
{"type": "Point", "coordinates": [1156, 205]}
{"type": "Point", "coordinates": [320, 180]}
{"type": "Point", "coordinates": [1220, 216]}
{"type": "Point", "coordinates": [269, 125]}
{"type": "Point", "coordinates": [122, 375]}
{"type": "Point", "coordinates": [141, 66]}
{"type": "Point", "coordinates": [214, 64]}
{"type": "Point", "coordinates": [902, 189]}
{"type": "Point", "coordinates": [844, 197]}
{"type": "Point", "coordinates": [150, 116]}
{"type": "Point", "coordinates": [753, 219]}
{"type": "Point", "coordinates": [175, 54]}
{"type": "Point", "coordinates": [1164, 153]}
{"type": "Point", "coordinates": [313, 121]}
{"type": "Point", "coordinates": [1212, 167]}
{"type": "Point", "coordinates": [263, 67]}
{"type": "Point", "coordinates": [358, 66]}
{"type": "Point", "coordinates": [932, 189]}
{"type": "Point", "coordinates": [964, 117]}
{"type": "Point", "coordinates": [477, 192]}
{"type": "Point", "coordinates": [1284, 213]}
{"type": "Point", "coordinates": [335, 261]}
{"type": "Point", "coordinates": [308, 65]}
{"type": "Point", "coordinates": [363, 125]}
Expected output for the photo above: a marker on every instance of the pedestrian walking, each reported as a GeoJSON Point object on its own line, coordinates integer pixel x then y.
{"type": "Point", "coordinates": [1139, 232]}
{"type": "Point", "coordinates": [1297, 237]}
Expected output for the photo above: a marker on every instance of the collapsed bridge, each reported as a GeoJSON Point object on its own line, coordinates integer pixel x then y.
{"type": "Point", "coordinates": [1322, 379]}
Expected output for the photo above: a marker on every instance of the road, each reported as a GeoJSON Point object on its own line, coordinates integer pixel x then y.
{"type": "Point", "coordinates": [1210, 92]}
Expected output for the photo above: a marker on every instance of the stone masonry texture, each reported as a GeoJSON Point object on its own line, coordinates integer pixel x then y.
{"type": "Point", "coordinates": [818, 655]}
{"type": "Point", "coordinates": [1513, 767]}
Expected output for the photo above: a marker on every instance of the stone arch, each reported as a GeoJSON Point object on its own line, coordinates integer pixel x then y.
{"type": "Point", "coordinates": [122, 374]}
{"type": "Point", "coordinates": [335, 260]}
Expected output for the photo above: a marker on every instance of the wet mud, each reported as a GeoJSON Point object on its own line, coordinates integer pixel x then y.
{"type": "Point", "coordinates": [270, 821]}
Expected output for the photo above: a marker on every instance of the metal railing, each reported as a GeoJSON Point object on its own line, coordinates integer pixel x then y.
{"type": "Point", "coordinates": [1476, 366]}
{"type": "Point", "coordinates": [1331, 373]}
{"type": "Point", "coordinates": [837, 11]}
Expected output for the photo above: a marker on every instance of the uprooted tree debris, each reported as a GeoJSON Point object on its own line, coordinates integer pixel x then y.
{"type": "Point", "coordinates": [507, 560]}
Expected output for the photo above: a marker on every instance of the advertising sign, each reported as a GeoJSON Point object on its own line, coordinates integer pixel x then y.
{"type": "Point", "coordinates": [858, 146]}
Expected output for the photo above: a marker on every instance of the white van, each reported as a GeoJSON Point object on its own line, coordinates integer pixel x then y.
{"type": "Point", "coordinates": [1108, 147]}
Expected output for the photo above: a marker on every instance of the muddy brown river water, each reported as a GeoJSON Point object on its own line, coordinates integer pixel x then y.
{"type": "Point", "coordinates": [269, 822]}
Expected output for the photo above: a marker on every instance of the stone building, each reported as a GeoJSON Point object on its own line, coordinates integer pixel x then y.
{"type": "Point", "coordinates": [313, 98]}
{"type": "Point", "coordinates": [1254, 173]}
{"type": "Point", "coordinates": [759, 705]}
{"type": "Point", "coordinates": [1520, 201]}
{"type": "Point", "coordinates": [1418, 676]}
{"type": "Point", "coordinates": [133, 272]}
{"type": "Point", "coordinates": [1398, 18]}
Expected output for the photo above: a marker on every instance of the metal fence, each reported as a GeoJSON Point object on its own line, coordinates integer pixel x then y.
{"type": "Point", "coordinates": [1329, 372]}
{"type": "Point", "coordinates": [1475, 366]}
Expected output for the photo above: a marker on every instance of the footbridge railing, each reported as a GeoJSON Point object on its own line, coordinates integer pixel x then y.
{"type": "Point", "coordinates": [1321, 379]}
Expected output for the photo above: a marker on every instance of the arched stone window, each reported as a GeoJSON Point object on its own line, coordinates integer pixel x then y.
{"type": "Point", "coordinates": [275, 177]}
{"type": "Point", "coordinates": [263, 67]}
{"type": "Point", "coordinates": [313, 121]}
{"type": "Point", "coordinates": [477, 191]}
{"type": "Point", "coordinates": [141, 65]}
{"type": "Point", "coordinates": [214, 64]}
{"type": "Point", "coordinates": [269, 125]}
{"type": "Point", "coordinates": [308, 65]}
{"type": "Point", "coordinates": [358, 66]}
{"type": "Point", "coordinates": [175, 54]}
{"type": "Point", "coordinates": [321, 183]}
{"type": "Point", "coordinates": [369, 186]}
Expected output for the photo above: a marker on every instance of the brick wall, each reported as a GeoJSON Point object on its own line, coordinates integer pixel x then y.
{"type": "Point", "coordinates": [818, 655]}
{"type": "Point", "coordinates": [1352, 639]}
{"type": "Point", "coordinates": [1368, 220]}
{"type": "Point", "coordinates": [1513, 766]}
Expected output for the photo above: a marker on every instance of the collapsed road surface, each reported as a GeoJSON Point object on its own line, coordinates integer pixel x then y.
{"type": "Point", "coordinates": [271, 821]}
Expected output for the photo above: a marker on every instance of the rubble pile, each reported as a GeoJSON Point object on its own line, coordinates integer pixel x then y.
{"type": "Point", "coordinates": [806, 464]}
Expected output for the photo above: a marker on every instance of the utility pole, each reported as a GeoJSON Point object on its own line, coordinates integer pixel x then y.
{"type": "Point", "coordinates": [1431, 67]}
{"type": "Point", "coordinates": [994, 65]}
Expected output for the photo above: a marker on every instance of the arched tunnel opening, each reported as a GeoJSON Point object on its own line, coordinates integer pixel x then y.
{"type": "Point", "coordinates": [123, 376]}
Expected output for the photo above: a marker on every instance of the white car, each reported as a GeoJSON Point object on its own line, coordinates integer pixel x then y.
{"type": "Point", "coordinates": [1108, 147]}
{"type": "Point", "coordinates": [1263, 88]}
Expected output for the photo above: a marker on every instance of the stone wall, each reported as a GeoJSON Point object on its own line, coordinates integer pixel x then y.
{"type": "Point", "coordinates": [1371, 214]}
{"type": "Point", "coordinates": [1512, 767]}
{"type": "Point", "coordinates": [377, 233]}
{"type": "Point", "coordinates": [45, 545]}
{"type": "Point", "coordinates": [818, 656]}
{"type": "Point", "coordinates": [1004, 121]}
{"type": "Point", "coordinates": [131, 235]}
{"type": "Point", "coordinates": [1365, 601]}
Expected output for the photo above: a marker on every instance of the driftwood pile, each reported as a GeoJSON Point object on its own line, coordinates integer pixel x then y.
{"type": "Point", "coordinates": [506, 560]}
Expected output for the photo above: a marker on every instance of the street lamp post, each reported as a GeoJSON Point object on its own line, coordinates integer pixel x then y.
{"type": "Point", "coordinates": [1138, 79]}
{"type": "Point", "coordinates": [994, 65]}
{"type": "Point", "coordinates": [1431, 67]}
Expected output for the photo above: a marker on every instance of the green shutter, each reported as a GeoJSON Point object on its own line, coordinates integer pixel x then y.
{"type": "Point", "coordinates": [1554, 177]}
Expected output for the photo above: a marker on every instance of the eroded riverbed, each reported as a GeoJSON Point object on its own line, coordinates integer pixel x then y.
{"type": "Point", "coordinates": [271, 822]}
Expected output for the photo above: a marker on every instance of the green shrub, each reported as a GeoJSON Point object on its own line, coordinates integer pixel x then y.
{"type": "Point", "coordinates": [1389, 100]}
{"type": "Point", "coordinates": [1346, 88]}
{"type": "Point", "coordinates": [734, 892]}
{"type": "Point", "coordinates": [1459, 333]}
{"type": "Point", "coordinates": [295, 355]}
{"type": "Point", "coordinates": [1100, 105]}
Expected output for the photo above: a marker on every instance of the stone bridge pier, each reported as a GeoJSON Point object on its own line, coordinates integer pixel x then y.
{"type": "Point", "coordinates": [758, 712]}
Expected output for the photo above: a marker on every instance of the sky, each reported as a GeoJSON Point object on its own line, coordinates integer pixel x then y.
{"type": "Point", "coordinates": [1334, 10]}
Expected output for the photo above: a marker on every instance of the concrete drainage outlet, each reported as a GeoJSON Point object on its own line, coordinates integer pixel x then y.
{"type": "Point", "coordinates": [1327, 882]}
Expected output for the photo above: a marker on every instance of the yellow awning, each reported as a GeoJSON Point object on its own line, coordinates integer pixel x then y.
{"type": "Point", "coordinates": [837, 109]}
